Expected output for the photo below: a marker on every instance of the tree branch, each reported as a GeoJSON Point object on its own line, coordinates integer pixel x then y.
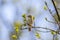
{"type": "Point", "coordinates": [43, 28]}
{"type": "Point", "coordinates": [50, 21]}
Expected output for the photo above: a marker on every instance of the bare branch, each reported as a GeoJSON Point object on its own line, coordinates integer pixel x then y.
{"type": "Point", "coordinates": [50, 21]}
{"type": "Point", "coordinates": [43, 28]}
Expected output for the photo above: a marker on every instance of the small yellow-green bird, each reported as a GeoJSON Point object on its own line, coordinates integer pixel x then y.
{"type": "Point", "coordinates": [30, 21]}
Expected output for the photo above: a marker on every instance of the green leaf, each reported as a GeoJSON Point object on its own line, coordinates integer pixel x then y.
{"type": "Point", "coordinates": [45, 7]}
{"type": "Point", "coordinates": [52, 32]}
{"type": "Point", "coordinates": [24, 15]}
{"type": "Point", "coordinates": [37, 35]}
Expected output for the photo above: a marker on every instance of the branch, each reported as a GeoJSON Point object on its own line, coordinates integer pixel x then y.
{"type": "Point", "coordinates": [50, 21]}
{"type": "Point", "coordinates": [43, 28]}
{"type": "Point", "coordinates": [51, 12]}
{"type": "Point", "coordinates": [42, 31]}
{"type": "Point", "coordinates": [56, 10]}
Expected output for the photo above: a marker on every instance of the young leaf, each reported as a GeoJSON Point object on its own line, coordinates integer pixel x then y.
{"type": "Point", "coordinates": [17, 26]}
{"type": "Point", "coordinates": [45, 7]}
{"type": "Point", "coordinates": [24, 15]}
{"type": "Point", "coordinates": [37, 35]}
{"type": "Point", "coordinates": [52, 32]}
{"type": "Point", "coordinates": [14, 36]}
{"type": "Point", "coordinates": [17, 29]}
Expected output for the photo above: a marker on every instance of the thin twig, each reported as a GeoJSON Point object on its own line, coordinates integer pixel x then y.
{"type": "Point", "coordinates": [49, 10]}
{"type": "Point", "coordinates": [43, 28]}
{"type": "Point", "coordinates": [56, 10]}
{"type": "Point", "coordinates": [42, 31]}
{"type": "Point", "coordinates": [50, 21]}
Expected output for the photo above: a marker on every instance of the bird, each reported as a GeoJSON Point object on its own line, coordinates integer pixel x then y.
{"type": "Point", "coordinates": [30, 21]}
